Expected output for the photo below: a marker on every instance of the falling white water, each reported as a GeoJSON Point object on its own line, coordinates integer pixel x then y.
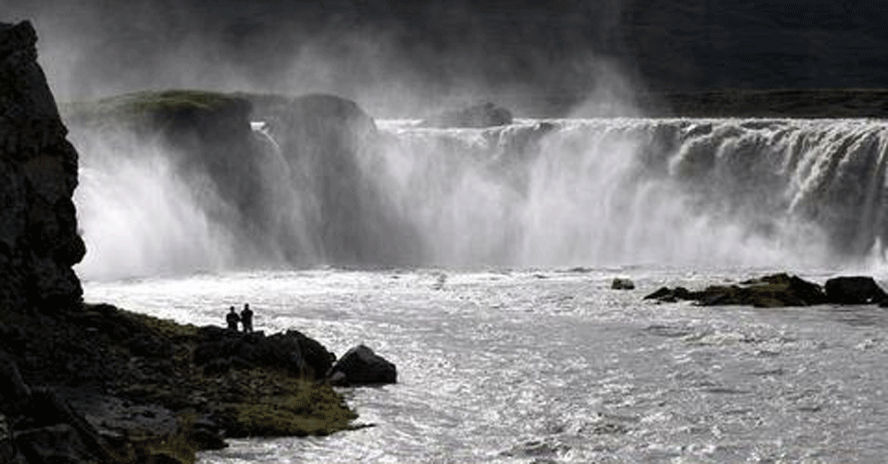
{"type": "Point", "coordinates": [139, 217]}
{"type": "Point", "coordinates": [636, 191]}
{"type": "Point", "coordinates": [536, 193]}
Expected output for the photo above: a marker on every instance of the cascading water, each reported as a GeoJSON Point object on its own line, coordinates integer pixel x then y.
{"type": "Point", "coordinates": [536, 193]}
{"type": "Point", "coordinates": [139, 216]}
{"type": "Point", "coordinates": [642, 191]}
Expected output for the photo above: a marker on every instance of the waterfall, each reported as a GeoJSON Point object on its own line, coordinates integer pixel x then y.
{"type": "Point", "coordinates": [699, 192]}
{"type": "Point", "coordinates": [643, 191]}
{"type": "Point", "coordinates": [138, 215]}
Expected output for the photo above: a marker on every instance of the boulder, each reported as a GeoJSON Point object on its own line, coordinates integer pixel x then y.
{"type": "Point", "coordinates": [622, 284]}
{"type": "Point", "coordinates": [854, 290]}
{"type": "Point", "coordinates": [476, 116]}
{"type": "Point", "coordinates": [361, 366]}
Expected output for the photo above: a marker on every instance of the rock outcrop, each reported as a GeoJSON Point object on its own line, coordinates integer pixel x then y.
{"type": "Point", "coordinates": [39, 242]}
{"type": "Point", "coordinates": [93, 383]}
{"type": "Point", "coordinates": [780, 290]}
{"type": "Point", "coordinates": [290, 171]}
{"type": "Point", "coordinates": [292, 351]}
{"type": "Point", "coordinates": [329, 143]}
{"type": "Point", "coordinates": [206, 137]}
{"type": "Point", "coordinates": [117, 386]}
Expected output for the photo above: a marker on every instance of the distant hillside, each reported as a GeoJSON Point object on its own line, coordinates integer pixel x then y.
{"type": "Point", "coordinates": [693, 44]}
{"type": "Point", "coordinates": [398, 57]}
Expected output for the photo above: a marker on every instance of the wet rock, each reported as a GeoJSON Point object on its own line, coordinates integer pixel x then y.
{"type": "Point", "coordinates": [669, 295]}
{"type": "Point", "coordinates": [854, 290]}
{"type": "Point", "coordinates": [808, 292]}
{"type": "Point", "coordinates": [361, 366]}
{"type": "Point", "coordinates": [622, 284]}
{"type": "Point", "coordinates": [476, 116]}
{"type": "Point", "coordinates": [775, 290]}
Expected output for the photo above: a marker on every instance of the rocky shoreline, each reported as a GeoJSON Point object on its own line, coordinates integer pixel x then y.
{"type": "Point", "coordinates": [99, 384]}
{"type": "Point", "coordinates": [780, 290]}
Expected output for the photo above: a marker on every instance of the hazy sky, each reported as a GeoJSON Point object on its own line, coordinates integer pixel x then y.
{"type": "Point", "coordinates": [400, 57]}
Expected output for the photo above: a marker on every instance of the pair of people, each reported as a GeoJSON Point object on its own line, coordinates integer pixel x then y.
{"type": "Point", "coordinates": [245, 318]}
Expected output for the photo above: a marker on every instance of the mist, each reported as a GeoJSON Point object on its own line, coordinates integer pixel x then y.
{"type": "Point", "coordinates": [395, 59]}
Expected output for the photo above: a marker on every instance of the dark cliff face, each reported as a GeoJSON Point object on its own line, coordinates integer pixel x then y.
{"type": "Point", "coordinates": [38, 173]}
{"type": "Point", "coordinates": [329, 144]}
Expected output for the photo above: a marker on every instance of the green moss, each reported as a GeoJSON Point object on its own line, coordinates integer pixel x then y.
{"type": "Point", "coordinates": [284, 406]}
{"type": "Point", "coordinates": [89, 346]}
{"type": "Point", "coordinates": [139, 106]}
{"type": "Point", "coordinates": [164, 327]}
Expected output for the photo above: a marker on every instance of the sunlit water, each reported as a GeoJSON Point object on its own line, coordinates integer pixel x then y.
{"type": "Point", "coordinates": [554, 366]}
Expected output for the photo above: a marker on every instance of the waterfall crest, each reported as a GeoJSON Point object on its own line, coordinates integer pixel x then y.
{"type": "Point", "coordinates": [704, 192]}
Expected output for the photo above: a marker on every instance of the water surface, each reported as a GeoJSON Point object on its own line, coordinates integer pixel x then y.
{"type": "Point", "coordinates": [550, 365]}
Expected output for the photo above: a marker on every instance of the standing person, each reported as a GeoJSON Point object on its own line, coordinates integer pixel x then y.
{"type": "Point", "coordinates": [232, 319]}
{"type": "Point", "coordinates": [247, 318]}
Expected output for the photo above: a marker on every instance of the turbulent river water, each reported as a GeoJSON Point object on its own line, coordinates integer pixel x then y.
{"type": "Point", "coordinates": [549, 365]}
{"type": "Point", "coordinates": [462, 247]}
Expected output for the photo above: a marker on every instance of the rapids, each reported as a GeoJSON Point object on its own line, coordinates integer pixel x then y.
{"type": "Point", "coordinates": [531, 366]}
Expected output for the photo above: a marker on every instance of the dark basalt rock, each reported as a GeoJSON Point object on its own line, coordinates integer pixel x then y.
{"type": "Point", "coordinates": [770, 291]}
{"type": "Point", "coordinates": [131, 372]}
{"type": "Point", "coordinates": [669, 295]}
{"type": "Point", "coordinates": [44, 427]}
{"type": "Point", "coordinates": [15, 395]}
{"type": "Point", "coordinates": [223, 350]}
{"type": "Point", "coordinates": [361, 366]}
{"type": "Point", "coordinates": [58, 443]}
{"type": "Point", "coordinates": [476, 116]}
{"type": "Point", "coordinates": [622, 284]}
{"type": "Point", "coordinates": [326, 140]}
{"type": "Point", "coordinates": [854, 290]}
{"type": "Point", "coordinates": [38, 173]}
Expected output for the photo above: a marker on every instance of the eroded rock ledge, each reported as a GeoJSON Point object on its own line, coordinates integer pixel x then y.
{"type": "Point", "coordinates": [780, 290]}
{"type": "Point", "coordinates": [100, 384]}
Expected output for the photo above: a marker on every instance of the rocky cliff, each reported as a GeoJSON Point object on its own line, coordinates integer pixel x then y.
{"type": "Point", "coordinates": [96, 384]}
{"type": "Point", "coordinates": [38, 173]}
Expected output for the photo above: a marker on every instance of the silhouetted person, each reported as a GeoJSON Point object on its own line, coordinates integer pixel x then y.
{"type": "Point", "coordinates": [232, 319]}
{"type": "Point", "coordinates": [247, 318]}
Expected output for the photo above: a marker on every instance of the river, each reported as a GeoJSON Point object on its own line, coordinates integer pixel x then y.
{"type": "Point", "coordinates": [551, 365]}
